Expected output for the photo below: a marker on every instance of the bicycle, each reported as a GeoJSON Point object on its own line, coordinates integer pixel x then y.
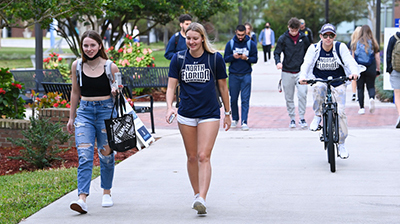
{"type": "Point", "coordinates": [330, 121]}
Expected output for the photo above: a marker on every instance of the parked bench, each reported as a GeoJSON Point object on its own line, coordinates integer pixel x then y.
{"type": "Point", "coordinates": [64, 88]}
{"type": "Point", "coordinates": [32, 79]}
{"type": "Point", "coordinates": [144, 77]}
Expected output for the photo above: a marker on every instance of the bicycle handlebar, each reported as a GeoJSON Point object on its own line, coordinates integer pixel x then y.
{"type": "Point", "coordinates": [341, 78]}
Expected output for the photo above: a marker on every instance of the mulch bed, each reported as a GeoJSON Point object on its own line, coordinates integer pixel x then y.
{"type": "Point", "coordinates": [69, 159]}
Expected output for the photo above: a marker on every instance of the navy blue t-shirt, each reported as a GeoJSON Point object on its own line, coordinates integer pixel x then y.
{"type": "Point", "coordinates": [326, 66]}
{"type": "Point", "coordinates": [197, 87]}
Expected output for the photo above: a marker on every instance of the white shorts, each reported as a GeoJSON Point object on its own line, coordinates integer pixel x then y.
{"type": "Point", "coordinates": [193, 121]}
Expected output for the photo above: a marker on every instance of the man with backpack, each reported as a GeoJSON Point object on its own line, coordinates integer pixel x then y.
{"type": "Point", "coordinates": [240, 52]}
{"type": "Point", "coordinates": [293, 44]}
{"type": "Point", "coordinates": [178, 40]}
{"type": "Point", "coordinates": [329, 58]}
{"type": "Point", "coordinates": [393, 68]}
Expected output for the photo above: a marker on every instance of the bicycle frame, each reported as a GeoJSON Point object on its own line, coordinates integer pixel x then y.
{"type": "Point", "coordinates": [330, 127]}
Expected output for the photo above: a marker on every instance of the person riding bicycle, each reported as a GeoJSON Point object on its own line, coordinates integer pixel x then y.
{"type": "Point", "coordinates": [329, 58]}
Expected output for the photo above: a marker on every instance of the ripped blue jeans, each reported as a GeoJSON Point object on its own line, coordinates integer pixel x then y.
{"type": "Point", "coordinates": [89, 126]}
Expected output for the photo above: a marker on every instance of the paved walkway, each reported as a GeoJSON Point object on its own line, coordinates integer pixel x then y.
{"type": "Point", "coordinates": [270, 174]}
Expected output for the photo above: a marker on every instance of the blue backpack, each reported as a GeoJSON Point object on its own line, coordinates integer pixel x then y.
{"type": "Point", "coordinates": [362, 57]}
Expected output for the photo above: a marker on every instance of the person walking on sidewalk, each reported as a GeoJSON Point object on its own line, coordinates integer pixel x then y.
{"type": "Point", "coordinates": [250, 33]}
{"type": "Point", "coordinates": [322, 60]}
{"type": "Point", "coordinates": [240, 52]}
{"type": "Point", "coordinates": [353, 41]}
{"type": "Point", "coordinates": [178, 40]}
{"type": "Point", "coordinates": [393, 68]}
{"type": "Point", "coordinates": [200, 70]}
{"type": "Point", "coordinates": [366, 52]}
{"type": "Point", "coordinates": [267, 41]}
{"type": "Point", "coordinates": [307, 31]}
{"type": "Point", "coordinates": [95, 89]}
{"type": "Point", "coordinates": [293, 45]}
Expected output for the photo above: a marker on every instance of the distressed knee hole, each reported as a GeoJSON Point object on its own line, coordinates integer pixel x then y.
{"type": "Point", "coordinates": [79, 124]}
{"type": "Point", "coordinates": [103, 131]}
{"type": "Point", "coordinates": [84, 145]}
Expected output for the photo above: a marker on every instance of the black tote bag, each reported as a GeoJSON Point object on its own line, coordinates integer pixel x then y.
{"type": "Point", "coordinates": [121, 129]}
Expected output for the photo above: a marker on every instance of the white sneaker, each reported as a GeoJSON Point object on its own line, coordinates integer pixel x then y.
{"type": "Point", "coordinates": [315, 123]}
{"type": "Point", "coordinates": [303, 123]}
{"type": "Point", "coordinates": [79, 206]}
{"type": "Point", "coordinates": [234, 124]}
{"type": "Point", "coordinates": [107, 201]}
{"type": "Point", "coordinates": [371, 105]}
{"type": "Point", "coordinates": [361, 111]}
{"type": "Point", "coordinates": [292, 124]}
{"type": "Point", "coordinates": [245, 127]}
{"type": "Point", "coordinates": [343, 151]}
{"type": "Point", "coordinates": [199, 205]}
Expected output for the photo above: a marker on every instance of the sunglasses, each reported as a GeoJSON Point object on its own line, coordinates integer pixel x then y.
{"type": "Point", "coordinates": [328, 35]}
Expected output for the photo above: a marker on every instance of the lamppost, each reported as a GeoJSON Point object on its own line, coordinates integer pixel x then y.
{"type": "Point", "coordinates": [378, 21]}
{"type": "Point", "coordinates": [240, 12]}
{"type": "Point", "coordinates": [327, 11]}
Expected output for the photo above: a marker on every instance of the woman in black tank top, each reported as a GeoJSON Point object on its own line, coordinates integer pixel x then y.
{"type": "Point", "coordinates": [87, 121]}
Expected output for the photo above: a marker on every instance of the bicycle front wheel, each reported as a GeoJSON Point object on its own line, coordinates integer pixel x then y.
{"type": "Point", "coordinates": [330, 144]}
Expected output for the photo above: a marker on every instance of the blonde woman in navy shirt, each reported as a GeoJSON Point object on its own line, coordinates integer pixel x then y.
{"type": "Point", "coordinates": [198, 115]}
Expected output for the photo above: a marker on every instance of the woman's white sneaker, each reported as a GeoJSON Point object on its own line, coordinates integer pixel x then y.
{"type": "Point", "coordinates": [361, 111]}
{"type": "Point", "coordinates": [199, 205]}
{"type": "Point", "coordinates": [79, 206]}
{"type": "Point", "coordinates": [107, 201]}
{"type": "Point", "coordinates": [371, 105]}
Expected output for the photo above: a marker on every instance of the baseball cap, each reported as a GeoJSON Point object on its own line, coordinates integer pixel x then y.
{"type": "Point", "coordinates": [328, 28]}
{"type": "Point", "coordinates": [302, 21]}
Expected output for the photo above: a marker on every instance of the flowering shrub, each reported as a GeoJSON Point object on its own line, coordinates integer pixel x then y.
{"type": "Point", "coordinates": [131, 54]}
{"type": "Point", "coordinates": [11, 105]}
{"type": "Point", "coordinates": [50, 100]}
{"type": "Point", "coordinates": [56, 62]}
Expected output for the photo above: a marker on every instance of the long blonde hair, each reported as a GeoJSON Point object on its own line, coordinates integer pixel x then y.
{"type": "Point", "coordinates": [197, 27]}
{"type": "Point", "coordinates": [366, 35]}
{"type": "Point", "coordinates": [354, 38]}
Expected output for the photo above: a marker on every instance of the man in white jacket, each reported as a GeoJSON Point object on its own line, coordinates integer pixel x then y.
{"type": "Point", "coordinates": [323, 59]}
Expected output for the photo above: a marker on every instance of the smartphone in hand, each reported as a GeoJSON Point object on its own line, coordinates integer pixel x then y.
{"type": "Point", "coordinates": [171, 118]}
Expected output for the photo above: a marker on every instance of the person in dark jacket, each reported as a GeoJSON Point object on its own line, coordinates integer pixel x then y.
{"type": "Point", "coordinates": [293, 44]}
{"type": "Point", "coordinates": [240, 52]}
{"type": "Point", "coordinates": [307, 31]}
{"type": "Point", "coordinates": [178, 40]}
{"type": "Point", "coordinates": [394, 75]}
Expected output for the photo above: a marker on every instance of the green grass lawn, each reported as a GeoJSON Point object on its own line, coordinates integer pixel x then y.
{"type": "Point", "coordinates": [23, 194]}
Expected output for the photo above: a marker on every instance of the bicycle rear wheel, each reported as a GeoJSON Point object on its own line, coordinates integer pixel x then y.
{"type": "Point", "coordinates": [330, 144]}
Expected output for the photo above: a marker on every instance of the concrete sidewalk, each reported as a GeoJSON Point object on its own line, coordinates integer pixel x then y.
{"type": "Point", "coordinates": [270, 174]}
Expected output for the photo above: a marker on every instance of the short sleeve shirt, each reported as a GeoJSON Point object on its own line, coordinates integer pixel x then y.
{"type": "Point", "coordinates": [326, 66]}
{"type": "Point", "coordinates": [198, 97]}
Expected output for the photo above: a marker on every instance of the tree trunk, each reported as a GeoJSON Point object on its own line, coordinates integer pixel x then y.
{"type": "Point", "coordinates": [165, 39]}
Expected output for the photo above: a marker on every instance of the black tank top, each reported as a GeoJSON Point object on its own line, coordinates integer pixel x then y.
{"type": "Point", "coordinates": [99, 86]}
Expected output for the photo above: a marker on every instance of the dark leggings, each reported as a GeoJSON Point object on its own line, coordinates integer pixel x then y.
{"type": "Point", "coordinates": [267, 50]}
{"type": "Point", "coordinates": [366, 78]}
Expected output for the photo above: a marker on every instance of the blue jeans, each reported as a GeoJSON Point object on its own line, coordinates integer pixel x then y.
{"type": "Point", "coordinates": [240, 84]}
{"type": "Point", "coordinates": [89, 125]}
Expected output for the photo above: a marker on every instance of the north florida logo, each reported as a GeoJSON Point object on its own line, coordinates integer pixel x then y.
{"type": "Point", "coordinates": [195, 73]}
{"type": "Point", "coordinates": [327, 63]}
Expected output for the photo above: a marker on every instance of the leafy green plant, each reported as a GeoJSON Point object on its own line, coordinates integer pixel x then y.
{"type": "Point", "coordinates": [41, 142]}
{"type": "Point", "coordinates": [381, 94]}
{"type": "Point", "coordinates": [131, 54]}
{"type": "Point", "coordinates": [56, 62]}
{"type": "Point", "coordinates": [11, 105]}
{"type": "Point", "coordinates": [49, 100]}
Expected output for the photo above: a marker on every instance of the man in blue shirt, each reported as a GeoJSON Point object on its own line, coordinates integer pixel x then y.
{"type": "Point", "coordinates": [240, 52]}
{"type": "Point", "coordinates": [178, 40]}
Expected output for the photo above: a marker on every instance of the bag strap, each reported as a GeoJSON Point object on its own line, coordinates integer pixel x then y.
{"type": "Point", "coordinates": [119, 104]}
{"type": "Point", "coordinates": [337, 46]}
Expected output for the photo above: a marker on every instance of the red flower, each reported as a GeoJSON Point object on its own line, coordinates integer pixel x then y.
{"type": "Point", "coordinates": [127, 36]}
{"type": "Point", "coordinates": [37, 99]}
{"type": "Point", "coordinates": [2, 91]}
{"type": "Point", "coordinates": [18, 86]}
{"type": "Point", "coordinates": [154, 65]}
{"type": "Point", "coordinates": [120, 50]}
{"type": "Point", "coordinates": [112, 48]}
{"type": "Point", "coordinates": [63, 102]}
{"type": "Point", "coordinates": [68, 106]}
{"type": "Point", "coordinates": [13, 84]}
{"type": "Point", "coordinates": [130, 37]}
{"type": "Point", "coordinates": [153, 58]}
{"type": "Point", "coordinates": [55, 105]}
{"type": "Point", "coordinates": [59, 59]}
